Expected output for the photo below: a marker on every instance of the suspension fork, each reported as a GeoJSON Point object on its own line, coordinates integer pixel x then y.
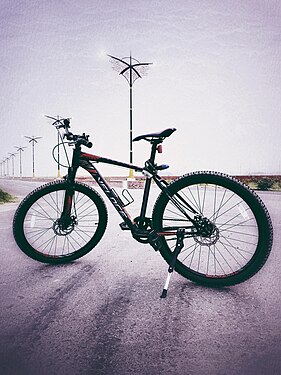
{"type": "Point", "coordinates": [70, 180]}
{"type": "Point", "coordinates": [68, 199]}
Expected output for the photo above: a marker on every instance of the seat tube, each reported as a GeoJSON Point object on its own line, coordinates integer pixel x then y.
{"type": "Point", "coordinates": [145, 196]}
{"type": "Point", "coordinates": [148, 182]}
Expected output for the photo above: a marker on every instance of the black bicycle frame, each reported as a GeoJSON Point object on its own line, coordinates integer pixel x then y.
{"type": "Point", "coordinates": [86, 160]}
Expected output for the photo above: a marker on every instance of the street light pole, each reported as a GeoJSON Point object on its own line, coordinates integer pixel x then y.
{"type": "Point", "coordinates": [131, 70]}
{"type": "Point", "coordinates": [12, 156]}
{"type": "Point", "coordinates": [4, 167]}
{"type": "Point", "coordinates": [20, 149]}
{"type": "Point", "coordinates": [58, 143]}
{"type": "Point", "coordinates": [33, 140]}
{"type": "Point", "coordinates": [58, 124]}
{"type": "Point", "coordinates": [7, 165]}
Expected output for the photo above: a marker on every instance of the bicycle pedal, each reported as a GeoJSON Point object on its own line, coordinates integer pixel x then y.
{"type": "Point", "coordinates": [124, 226]}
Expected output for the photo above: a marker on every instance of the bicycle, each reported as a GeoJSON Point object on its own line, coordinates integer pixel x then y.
{"type": "Point", "coordinates": [209, 227]}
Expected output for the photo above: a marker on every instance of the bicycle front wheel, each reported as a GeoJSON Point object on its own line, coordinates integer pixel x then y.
{"type": "Point", "coordinates": [37, 228]}
{"type": "Point", "coordinates": [241, 236]}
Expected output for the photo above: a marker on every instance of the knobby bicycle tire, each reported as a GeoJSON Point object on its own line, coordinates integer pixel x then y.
{"type": "Point", "coordinates": [36, 227]}
{"type": "Point", "coordinates": [241, 241]}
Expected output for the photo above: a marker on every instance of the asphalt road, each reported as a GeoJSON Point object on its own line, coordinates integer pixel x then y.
{"type": "Point", "coordinates": [102, 314]}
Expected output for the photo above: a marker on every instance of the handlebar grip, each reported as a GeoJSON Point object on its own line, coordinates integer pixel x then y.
{"type": "Point", "coordinates": [86, 143]}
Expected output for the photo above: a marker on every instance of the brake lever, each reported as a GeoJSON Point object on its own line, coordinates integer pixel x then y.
{"type": "Point", "coordinates": [69, 136]}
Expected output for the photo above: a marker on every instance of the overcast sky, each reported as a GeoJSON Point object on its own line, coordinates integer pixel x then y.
{"type": "Point", "coordinates": [215, 77]}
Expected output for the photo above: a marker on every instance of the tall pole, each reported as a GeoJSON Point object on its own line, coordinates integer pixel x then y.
{"type": "Point", "coordinates": [20, 149]}
{"type": "Point", "coordinates": [59, 124]}
{"type": "Point", "coordinates": [131, 173]}
{"type": "Point", "coordinates": [131, 71]}
{"type": "Point", "coordinates": [33, 140]}
{"type": "Point", "coordinates": [33, 161]}
{"type": "Point", "coordinates": [12, 156]}
{"type": "Point", "coordinates": [7, 166]}
{"type": "Point", "coordinates": [8, 171]}
{"type": "Point", "coordinates": [4, 167]}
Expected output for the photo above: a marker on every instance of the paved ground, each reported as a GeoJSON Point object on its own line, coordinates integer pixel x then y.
{"type": "Point", "coordinates": [102, 314]}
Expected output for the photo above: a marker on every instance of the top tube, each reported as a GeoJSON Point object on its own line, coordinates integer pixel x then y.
{"type": "Point", "coordinates": [100, 159]}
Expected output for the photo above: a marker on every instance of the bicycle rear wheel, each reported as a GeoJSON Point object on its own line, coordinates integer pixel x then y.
{"type": "Point", "coordinates": [37, 228]}
{"type": "Point", "coordinates": [241, 238]}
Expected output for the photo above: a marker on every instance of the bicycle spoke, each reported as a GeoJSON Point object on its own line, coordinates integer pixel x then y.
{"type": "Point", "coordinates": [224, 258]}
{"type": "Point", "coordinates": [87, 215]}
{"type": "Point", "coordinates": [221, 204]}
{"type": "Point", "coordinates": [241, 233]}
{"type": "Point", "coordinates": [199, 203]}
{"type": "Point", "coordinates": [199, 258]}
{"type": "Point", "coordinates": [52, 237]}
{"type": "Point", "coordinates": [192, 201]}
{"type": "Point", "coordinates": [38, 233]}
{"type": "Point", "coordinates": [55, 206]}
{"type": "Point", "coordinates": [233, 243]}
{"type": "Point", "coordinates": [208, 262]}
{"type": "Point", "coordinates": [187, 248]}
{"type": "Point", "coordinates": [177, 213]}
{"type": "Point", "coordinates": [45, 208]}
{"type": "Point", "coordinates": [47, 242]}
{"type": "Point", "coordinates": [40, 215]}
{"type": "Point", "coordinates": [204, 197]}
{"type": "Point", "coordinates": [79, 211]}
{"type": "Point", "coordinates": [192, 252]}
{"type": "Point", "coordinates": [229, 209]}
{"type": "Point", "coordinates": [239, 240]}
{"type": "Point", "coordinates": [84, 232]}
{"type": "Point", "coordinates": [236, 224]}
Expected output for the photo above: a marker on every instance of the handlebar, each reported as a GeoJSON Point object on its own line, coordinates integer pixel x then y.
{"type": "Point", "coordinates": [79, 139]}
{"type": "Point", "coordinates": [86, 143]}
{"type": "Point", "coordinates": [75, 138]}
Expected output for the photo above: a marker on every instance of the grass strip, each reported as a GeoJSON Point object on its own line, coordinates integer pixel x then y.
{"type": "Point", "coordinates": [6, 197]}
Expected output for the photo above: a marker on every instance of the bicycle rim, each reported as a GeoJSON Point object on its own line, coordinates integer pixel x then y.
{"type": "Point", "coordinates": [236, 243]}
{"type": "Point", "coordinates": [41, 229]}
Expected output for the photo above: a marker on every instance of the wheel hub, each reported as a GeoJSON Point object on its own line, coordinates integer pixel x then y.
{"type": "Point", "coordinates": [64, 226]}
{"type": "Point", "coordinates": [207, 232]}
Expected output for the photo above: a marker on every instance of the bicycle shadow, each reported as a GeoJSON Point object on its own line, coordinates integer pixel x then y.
{"type": "Point", "coordinates": [188, 291]}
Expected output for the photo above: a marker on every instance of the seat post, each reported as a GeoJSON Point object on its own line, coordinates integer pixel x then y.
{"type": "Point", "coordinates": [155, 143]}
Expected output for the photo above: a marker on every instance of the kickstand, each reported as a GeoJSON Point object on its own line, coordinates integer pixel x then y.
{"type": "Point", "coordinates": [179, 246]}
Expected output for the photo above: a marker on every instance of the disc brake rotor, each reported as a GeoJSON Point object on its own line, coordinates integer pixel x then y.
{"type": "Point", "coordinates": [207, 232]}
{"type": "Point", "coordinates": [61, 228]}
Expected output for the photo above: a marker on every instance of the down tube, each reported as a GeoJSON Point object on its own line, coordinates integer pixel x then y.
{"type": "Point", "coordinates": [111, 195]}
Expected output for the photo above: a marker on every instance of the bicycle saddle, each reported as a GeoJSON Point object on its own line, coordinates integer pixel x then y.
{"type": "Point", "coordinates": [163, 134]}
